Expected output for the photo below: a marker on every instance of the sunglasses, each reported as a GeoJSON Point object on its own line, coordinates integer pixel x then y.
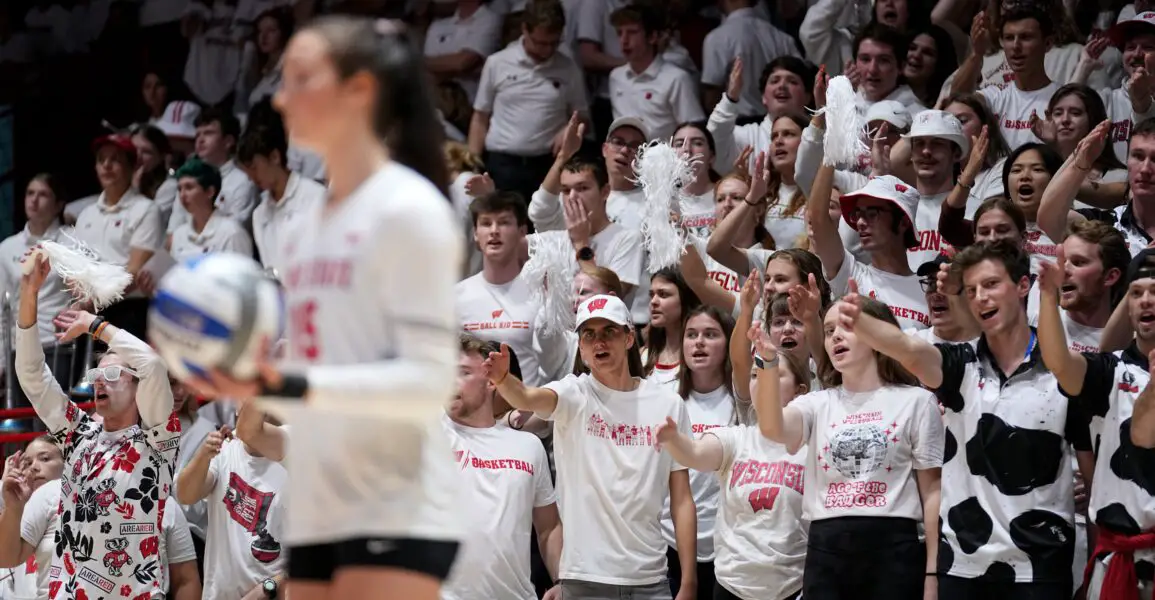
{"type": "Point", "coordinates": [110, 374]}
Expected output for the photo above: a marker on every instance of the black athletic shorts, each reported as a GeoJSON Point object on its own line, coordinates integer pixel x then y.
{"type": "Point", "coordinates": [321, 561]}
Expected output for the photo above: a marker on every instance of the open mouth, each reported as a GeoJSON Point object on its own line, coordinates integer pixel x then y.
{"type": "Point", "coordinates": [494, 244]}
{"type": "Point", "coordinates": [782, 95]}
{"type": "Point", "coordinates": [1068, 288]}
{"type": "Point", "coordinates": [939, 308]}
{"type": "Point", "coordinates": [988, 315]}
{"type": "Point", "coordinates": [699, 354]}
{"type": "Point", "coordinates": [780, 154]}
{"type": "Point", "coordinates": [840, 350]}
{"type": "Point", "coordinates": [889, 16]}
{"type": "Point", "coordinates": [788, 343]}
{"type": "Point", "coordinates": [1026, 190]}
{"type": "Point", "coordinates": [1147, 318]}
{"type": "Point", "coordinates": [602, 355]}
{"type": "Point", "coordinates": [101, 396]}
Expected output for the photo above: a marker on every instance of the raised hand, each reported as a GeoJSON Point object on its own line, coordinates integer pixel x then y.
{"type": "Point", "coordinates": [947, 285]}
{"type": "Point", "coordinates": [821, 82]}
{"type": "Point", "coordinates": [216, 440]}
{"type": "Point", "coordinates": [850, 70]}
{"type": "Point", "coordinates": [480, 185]}
{"type": "Point", "coordinates": [14, 486]}
{"type": "Point", "coordinates": [497, 365]}
{"type": "Point", "coordinates": [880, 151]}
{"type": "Point", "coordinates": [759, 180]}
{"type": "Point", "coordinates": [1093, 49]}
{"type": "Point", "coordinates": [1044, 129]}
{"type": "Point", "coordinates": [1051, 275]}
{"type": "Point", "coordinates": [734, 85]}
{"type": "Point", "coordinates": [1092, 145]}
{"type": "Point", "coordinates": [980, 34]}
{"type": "Point", "coordinates": [1141, 84]}
{"type": "Point", "coordinates": [568, 141]}
{"type": "Point", "coordinates": [751, 290]}
{"type": "Point", "coordinates": [977, 159]}
{"type": "Point", "coordinates": [742, 163]}
{"type": "Point", "coordinates": [760, 339]}
{"type": "Point", "coordinates": [72, 324]}
{"type": "Point", "coordinates": [805, 300]}
{"type": "Point", "coordinates": [33, 276]}
{"type": "Point", "coordinates": [850, 307]}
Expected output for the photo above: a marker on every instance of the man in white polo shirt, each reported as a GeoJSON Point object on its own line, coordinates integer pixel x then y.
{"type": "Point", "coordinates": [217, 133]}
{"type": "Point", "coordinates": [746, 35]}
{"type": "Point", "coordinates": [507, 479]}
{"type": "Point", "coordinates": [206, 230]}
{"type": "Point", "coordinates": [648, 87]}
{"type": "Point", "coordinates": [610, 466]}
{"type": "Point", "coordinates": [528, 92]}
{"type": "Point", "coordinates": [456, 46]}
{"type": "Point", "coordinates": [285, 195]}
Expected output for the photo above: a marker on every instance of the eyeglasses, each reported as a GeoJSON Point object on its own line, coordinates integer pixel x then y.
{"type": "Point", "coordinates": [929, 284]}
{"type": "Point", "coordinates": [110, 374]}
{"type": "Point", "coordinates": [608, 334]}
{"type": "Point", "coordinates": [619, 143]}
{"type": "Point", "coordinates": [869, 213]}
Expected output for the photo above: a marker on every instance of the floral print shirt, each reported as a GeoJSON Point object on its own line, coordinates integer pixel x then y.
{"type": "Point", "coordinates": [115, 484]}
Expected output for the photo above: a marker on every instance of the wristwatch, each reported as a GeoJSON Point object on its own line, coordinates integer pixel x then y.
{"type": "Point", "coordinates": [585, 254]}
{"type": "Point", "coordinates": [270, 588]}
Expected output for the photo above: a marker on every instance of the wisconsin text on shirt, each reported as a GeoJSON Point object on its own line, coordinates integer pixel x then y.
{"type": "Point", "coordinates": [776, 474]}
{"type": "Point", "coordinates": [321, 272]}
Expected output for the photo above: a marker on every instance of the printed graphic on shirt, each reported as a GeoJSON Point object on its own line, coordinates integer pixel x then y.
{"type": "Point", "coordinates": [249, 507]}
{"type": "Point", "coordinates": [858, 448]}
{"type": "Point", "coordinates": [775, 475]}
{"type": "Point", "coordinates": [623, 434]}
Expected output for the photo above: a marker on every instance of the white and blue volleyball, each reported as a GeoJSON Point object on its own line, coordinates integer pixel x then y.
{"type": "Point", "coordinates": [214, 312]}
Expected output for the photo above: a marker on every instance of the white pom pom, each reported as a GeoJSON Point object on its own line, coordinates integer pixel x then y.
{"type": "Point", "coordinates": [844, 125]}
{"type": "Point", "coordinates": [89, 279]}
{"type": "Point", "coordinates": [550, 273]}
{"type": "Point", "coordinates": [662, 173]}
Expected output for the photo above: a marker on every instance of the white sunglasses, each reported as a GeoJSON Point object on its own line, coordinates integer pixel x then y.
{"type": "Point", "coordinates": [110, 374]}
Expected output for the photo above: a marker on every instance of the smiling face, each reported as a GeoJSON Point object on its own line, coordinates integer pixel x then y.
{"type": "Point", "coordinates": [704, 344]}
{"type": "Point", "coordinates": [879, 69]}
{"type": "Point", "coordinates": [498, 235]}
{"type": "Point", "coordinates": [785, 136]}
{"type": "Point", "coordinates": [727, 196]}
{"type": "Point", "coordinates": [934, 158]}
{"type": "Point", "coordinates": [1135, 50]}
{"type": "Point", "coordinates": [1071, 121]}
{"type": "Point", "coordinates": [994, 225]}
{"type": "Point", "coordinates": [842, 345]}
{"type": "Point", "coordinates": [921, 58]}
{"type": "Point", "coordinates": [1141, 308]}
{"type": "Point", "coordinates": [1027, 180]}
{"type": "Point", "coordinates": [1141, 167]}
{"type": "Point", "coordinates": [993, 298]}
{"type": "Point", "coordinates": [42, 462]}
{"type": "Point", "coordinates": [785, 93]}
{"type": "Point", "coordinates": [665, 303]}
{"type": "Point", "coordinates": [1085, 282]}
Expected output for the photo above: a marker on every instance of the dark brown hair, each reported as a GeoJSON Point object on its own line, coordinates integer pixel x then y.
{"type": "Point", "coordinates": [685, 377]}
{"type": "Point", "coordinates": [890, 371]}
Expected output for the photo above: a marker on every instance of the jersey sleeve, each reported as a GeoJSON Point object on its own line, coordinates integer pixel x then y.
{"type": "Point", "coordinates": [929, 433]}
{"type": "Point", "coordinates": [570, 399]}
{"type": "Point", "coordinates": [177, 537]}
{"type": "Point", "coordinates": [955, 358]}
{"type": "Point", "coordinates": [543, 491]}
{"type": "Point", "coordinates": [1098, 384]}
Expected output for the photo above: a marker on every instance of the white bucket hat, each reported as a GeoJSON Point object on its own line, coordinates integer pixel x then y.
{"type": "Point", "coordinates": [891, 111]}
{"type": "Point", "coordinates": [603, 306]}
{"type": "Point", "coordinates": [178, 119]}
{"type": "Point", "coordinates": [940, 124]}
{"type": "Point", "coordinates": [892, 190]}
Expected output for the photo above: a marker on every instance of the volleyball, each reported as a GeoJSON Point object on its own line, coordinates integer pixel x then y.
{"type": "Point", "coordinates": [214, 312]}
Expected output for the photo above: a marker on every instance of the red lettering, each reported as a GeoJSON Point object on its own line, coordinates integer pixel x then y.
{"type": "Point", "coordinates": [304, 340]}
{"type": "Point", "coordinates": [763, 498]}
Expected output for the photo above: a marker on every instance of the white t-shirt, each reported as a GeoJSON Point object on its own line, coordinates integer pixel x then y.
{"type": "Point", "coordinates": [1039, 246]}
{"type": "Point", "coordinates": [240, 552]}
{"type": "Point", "coordinates": [788, 230]}
{"type": "Point", "coordinates": [613, 478]}
{"type": "Point", "coordinates": [506, 476]}
{"type": "Point", "coordinates": [1080, 338]}
{"type": "Point", "coordinates": [1013, 108]}
{"type": "Point", "coordinates": [626, 207]}
{"type": "Point", "coordinates": [707, 411]}
{"type": "Point", "coordinates": [902, 293]}
{"type": "Point", "coordinates": [502, 313]}
{"type": "Point", "coordinates": [760, 536]}
{"type": "Point", "coordinates": [389, 254]}
{"type": "Point", "coordinates": [930, 242]}
{"type": "Point", "coordinates": [864, 449]}
{"type": "Point", "coordinates": [273, 222]}
{"type": "Point", "coordinates": [220, 234]}
{"type": "Point", "coordinates": [698, 214]}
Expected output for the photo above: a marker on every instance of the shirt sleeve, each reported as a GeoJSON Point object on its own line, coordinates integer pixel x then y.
{"type": "Point", "coordinates": [545, 210]}
{"type": "Point", "coordinates": [928, 431]}
{"type": "Point", "coordinates": [841, 280]}
{"type": "Point", "coordinates": [149, 233]}
{"type": "Point", "coordinates": [52, 405]}
{"type": "Point", "coordinates": [486, 88]}
{"type": "Point", "coordinates": [955, 358]}
{"type": "Point", "coordinates": [570, 399]}
{"type": "Point", "coordinates": [715, 60]}
{"type": "Point", "coordinates": [38, 513]}
{"type": "Point", "coordinates": [543, 492]}
{"type": "Point", "coordinates": [807, 406]}
{"type": "Point", "coordinates": [591, 21]}
{"type": "Point", "coordinates": [153, 392]}
{"type": "Point", "coordinates": [177, 538]}
{"type": "Point", "coordinates": [1098, 384]}
{"type": "Point", "coordinates": [726, 437]}
{"type": "Point", "coordinates": [626, 257]}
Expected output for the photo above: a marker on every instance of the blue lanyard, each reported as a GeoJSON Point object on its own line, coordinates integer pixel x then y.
{"type": "Point", "coordinates": [1030, 346]}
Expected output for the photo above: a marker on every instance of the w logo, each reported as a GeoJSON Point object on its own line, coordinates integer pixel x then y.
{"type": "Point", "coordinates": [497, 313]}
{"type": "Point", "coordinates": [598, 304]}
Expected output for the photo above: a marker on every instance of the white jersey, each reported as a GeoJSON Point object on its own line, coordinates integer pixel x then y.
{"type": "Point", "coordinates": [504, 313]}
{"type": "Point", "coordinates": [506, 475]}
{"type": "Point", "coordinates": [901, 293]}
{"type": "Point", "coordinates": [369, 293]}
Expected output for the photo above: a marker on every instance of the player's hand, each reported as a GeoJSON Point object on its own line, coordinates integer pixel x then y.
{"type": "Point", "coordinates": [497, 365]}
{"type": "Point", "coordinates": [40, 268]}
{"type": "Point", "coordinates": [72, 324]}
{"type": "Point", "coordinates": [15, 488]}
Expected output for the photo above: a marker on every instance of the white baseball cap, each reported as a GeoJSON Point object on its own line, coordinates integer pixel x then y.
{"type": "Point", "coordinates": [1143, 22]}
{"type": "Point", "coordinates": [634, 122]}
{"type": "Point", "coordinates": [890, 111]}
{"type": "Point", "coordinates": [603, 306]}
{"type": "Point", "coordinates": [890, 189]}
{"type": "Point", "coordinates": [179, 118]}
{"type": "Point", "coordinates": [940, 124]}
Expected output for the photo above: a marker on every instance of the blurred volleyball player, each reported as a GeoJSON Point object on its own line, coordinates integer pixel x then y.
{"type": "Point", "coordinates": [369, 287]}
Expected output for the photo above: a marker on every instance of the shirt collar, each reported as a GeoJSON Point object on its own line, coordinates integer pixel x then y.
{"type": "Point", "coordinates": [1132, 355]}
{"type": "Point", "coordinates": [1128, 220]}
{"type": "Point", "coordinates": [32, 239]}
{"type": "Point", "coordinates": [1036, 358]}
{"type": "Point", "coordinates": [740, 13]}
{"type": "Point", "coordinates": [649, 74]}
{"type": "Point", "coordinates": [207, 233]}
{"type": "Point", "coordinates": [125, 200]}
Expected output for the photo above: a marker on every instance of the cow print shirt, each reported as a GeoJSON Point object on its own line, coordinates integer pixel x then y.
{"type": "Point", "coordinates": [1007, 511]}
{"type": "Point", "coordinates": [1123, 497]}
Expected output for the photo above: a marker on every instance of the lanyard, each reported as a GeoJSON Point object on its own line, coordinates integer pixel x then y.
{"type": "Point", "coordinates": [1030, 347]}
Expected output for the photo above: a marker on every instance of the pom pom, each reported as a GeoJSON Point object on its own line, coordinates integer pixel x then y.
{"type": "Point", "coordinates": [662, 173]}
{"type": "Point", "coordinates": [86, 277]}
{"type": "Point", "coordinates": [550, 273]}
{"type": "Point", "coordinates": [843, 143]}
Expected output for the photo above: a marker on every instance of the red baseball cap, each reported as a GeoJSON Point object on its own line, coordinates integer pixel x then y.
{"type": "Point", "coordinates": [120, 141]}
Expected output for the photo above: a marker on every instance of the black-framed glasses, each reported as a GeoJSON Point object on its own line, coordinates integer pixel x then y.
{"type": "Point", "coordinates": [619, 143]}
{"type": "Point", "coordinates": [929, 284]}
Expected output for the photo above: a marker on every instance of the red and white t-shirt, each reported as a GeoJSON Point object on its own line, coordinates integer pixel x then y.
{"type": "Point", "coordinates": [505, 314]}
{"type": "Point", "coordinates": [613, 476]}
{"type": "Point", "coordinates": [707, 412]}
{"type": "Point", "coordinates": [864, 448]}
{"type": "Point", "coordinates": [240, 550]}
{"type": "Point", "coordinates": [930, 242]}
{"type": "Point", "coordinates": [506, 476]}
{"type": "Point", "coordinates": [1039, 246]}
{"type": "Point", "coordinates": [1013, 108]}
{"type": "Point", "coordinates": [902, 293]}
{"type": "Point", "coordinates": [115, 485]}
{"type": "Point", "coordinates": [760, 536]}
{"type": "Point", "coordinates": [698, 216]}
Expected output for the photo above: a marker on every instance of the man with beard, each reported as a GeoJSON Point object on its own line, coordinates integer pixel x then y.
{"type": "Point", "coordinates": [1027, 33]}
{"type": "Point", "coordinates": [506, 476]}
{"type": "Point", "coordinates": [950, 321]}
{"type": "Point", "coordinates": [1106, 387]}
{"type": "Point", "coordinates": [1007, 466]}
